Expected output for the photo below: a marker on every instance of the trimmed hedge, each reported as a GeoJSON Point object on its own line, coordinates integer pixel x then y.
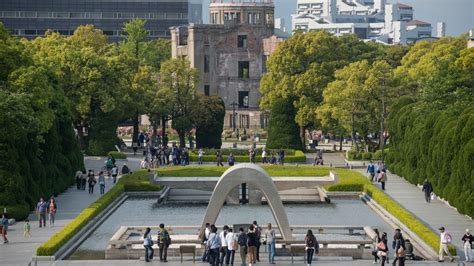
{"type": "Point", "coordinates": [437, 145]}
{"type": "Point", "coordinates": [366, 156]}
{"type": "Point", "coordinates": [298, 157]}
{"type": "Point", "coordinates": [117, 155]}
{"type": "Point", "coordinates": [19, 212]}
{"type": "Point", "coordinates": [241, 151]}
{"type": "Point", "coordinates": [406, 218]}
{"type": "Point", "coordinates": [132, 182]}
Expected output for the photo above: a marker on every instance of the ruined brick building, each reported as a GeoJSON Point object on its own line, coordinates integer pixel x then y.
{"type": "Point", "coordinates": [230, 54]}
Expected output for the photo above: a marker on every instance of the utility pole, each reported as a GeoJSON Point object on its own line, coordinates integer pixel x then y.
{"type": "Point", "coordinates": [234, 114]}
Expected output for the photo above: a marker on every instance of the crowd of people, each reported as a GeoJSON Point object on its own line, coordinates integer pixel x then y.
{"type": "Point", "coordinates": [377, 173]}
{"type": "Point", "coordinates": [403, 248]}
{"type": "Point", "coordinates": [154, 157]}
{"type": "Point", "coordinates": [110, 170]}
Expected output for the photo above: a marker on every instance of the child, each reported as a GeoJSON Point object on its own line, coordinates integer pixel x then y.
{"type": "Point", "coordinates": [26, 229]}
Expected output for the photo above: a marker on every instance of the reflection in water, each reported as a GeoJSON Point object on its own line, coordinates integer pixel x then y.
{"type": "Point", "coordinates": [147, 212]}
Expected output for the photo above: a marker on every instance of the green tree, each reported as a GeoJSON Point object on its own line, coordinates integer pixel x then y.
{"type": "Point", "coordinates": [304, 65]}
{"type": "Point", "coordinates": [208, 121]}
{"type": "Point", "coordinates": [283, 132]}
{"type": "Point", "coordinates": [139, 82]}
{"type": "Point", "coordinates": [178, 83]}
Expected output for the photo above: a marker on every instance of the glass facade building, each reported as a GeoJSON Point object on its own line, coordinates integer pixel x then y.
{"type": "Point", "coordinates": [31, 18]}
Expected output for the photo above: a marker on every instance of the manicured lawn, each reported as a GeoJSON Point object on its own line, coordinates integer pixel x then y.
{"type": "Point", "coordinates": [272, 170]}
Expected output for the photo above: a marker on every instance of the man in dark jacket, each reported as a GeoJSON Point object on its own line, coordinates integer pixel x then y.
{"type": "Point", "coordinates": [427, 188]}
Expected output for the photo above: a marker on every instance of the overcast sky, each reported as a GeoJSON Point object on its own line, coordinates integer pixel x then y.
{"type": "Point", "coordinates": [458, 14]}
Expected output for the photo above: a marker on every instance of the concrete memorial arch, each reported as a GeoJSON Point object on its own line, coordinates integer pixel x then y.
{"type": "Point", "coordinates": [256, 176]}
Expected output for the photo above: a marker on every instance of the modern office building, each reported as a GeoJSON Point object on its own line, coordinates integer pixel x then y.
{"type": "Point", "coordinates": [369, 19]}
{"type": "Point", "coordinates": [31, 18]}
{"type": "Point", "coordinates": [230, 54]}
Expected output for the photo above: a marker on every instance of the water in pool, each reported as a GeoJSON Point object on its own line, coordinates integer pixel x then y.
{"type": "Point", "coordinates": [140, 212]}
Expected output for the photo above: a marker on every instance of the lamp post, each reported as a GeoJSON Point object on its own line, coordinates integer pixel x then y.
{"type": "Point", "coordinates": [234, 114]}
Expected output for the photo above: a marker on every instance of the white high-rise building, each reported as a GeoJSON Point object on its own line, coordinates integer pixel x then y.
{"type": "Point", "coordinates": [368, 19]}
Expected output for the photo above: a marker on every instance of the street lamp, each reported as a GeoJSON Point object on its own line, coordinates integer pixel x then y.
{"type": "Point", "coordinates": [234, 114]}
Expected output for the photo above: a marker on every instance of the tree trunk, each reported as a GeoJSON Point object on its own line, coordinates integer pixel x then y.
{"type": "Point", "coordinates": [182, 138]}
{"type": "Point", "coordinates": [164, 138]}
{"type": "Point", "coordinates": [340, 143]}
{"type": "Point", "coordinates": [353, 132]}
{"type": "Point", "coordinates": [302, 137]}
{"type": "Point", "coordinates": [382, 129]}
{"type": "Point", "coordinates": [135, 128]}
{"type": "Point", "coordinates": [80, 137]}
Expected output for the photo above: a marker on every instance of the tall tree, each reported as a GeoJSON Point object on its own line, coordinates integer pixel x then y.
{"type": "Point", "coordinates": [208, 119]}
{"type": "Point", "coordinates": [178, 83]}
{"type": "Point", "coordinates": [302, 67]}
{"type": "Point", "coordinates": [135, 40]}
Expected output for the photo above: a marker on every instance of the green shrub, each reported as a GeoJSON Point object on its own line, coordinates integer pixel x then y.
{"type": "Point", "coordinates": [209, 122]}
{"type": "Point", "coordinates": [117, 155]}
{"type": "Point", "coordinates": [19, 212]}
{"type": "Point", "coordinates": [366, 156]}
{"type": "Point", "coordinates": [283, 132]}
{"type": "Point", "coordinates": [353, 155]}
{"type": "Point", "coordinates": [298, 157]}
{"type": "Point", "coordinates": [377, 155]}
{"type": "Point", "coordinates": [437, 144]}
{"type": "Point", "coordinates": [132, 182]}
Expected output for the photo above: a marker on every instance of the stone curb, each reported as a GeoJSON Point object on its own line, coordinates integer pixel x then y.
{"type": "Point", "coordinates": [420, 245]}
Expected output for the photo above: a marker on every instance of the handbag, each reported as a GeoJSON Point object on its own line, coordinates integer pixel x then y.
{"type": "Point", "coordinates": [432, 196]}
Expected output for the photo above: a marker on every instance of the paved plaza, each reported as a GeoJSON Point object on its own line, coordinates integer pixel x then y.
{"type": "Point", "coordinates": [20, 250]}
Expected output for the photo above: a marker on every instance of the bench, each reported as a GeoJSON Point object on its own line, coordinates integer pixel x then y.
{"type": "Point", "coordinates": [187, 249]}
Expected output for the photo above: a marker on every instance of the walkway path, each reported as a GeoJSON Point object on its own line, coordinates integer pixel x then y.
{"type": "Point", "coordinates": [434, 214]}
{"type": "Point", "coordinates": [70, 203]}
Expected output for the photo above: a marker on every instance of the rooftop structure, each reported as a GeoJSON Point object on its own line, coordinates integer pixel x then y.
{"type": "Point", "coordinates": [370, 20]}
{"type": "Point", "coordinates": [230, 54]}
{"type": "Point", "coordinates": [32, 18]}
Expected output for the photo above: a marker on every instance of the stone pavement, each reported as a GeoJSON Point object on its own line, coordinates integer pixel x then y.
{"type": "Point", "coordinates": [434, 214]}
{"type": "Point", "coordinates": [286, 262]}
{"type": "Point", "coordinates": [70, 203]}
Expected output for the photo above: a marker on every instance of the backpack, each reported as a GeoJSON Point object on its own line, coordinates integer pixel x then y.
{"type": "Point", "coordinates": [242, 240]}
{"type": "Point", "coordinates": [449, 238]}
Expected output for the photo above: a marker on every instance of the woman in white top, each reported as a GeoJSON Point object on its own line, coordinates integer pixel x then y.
{"type": "Point", "coordinates": [231, 240]}
{"type": "Point", "coordinates": [148, 244]}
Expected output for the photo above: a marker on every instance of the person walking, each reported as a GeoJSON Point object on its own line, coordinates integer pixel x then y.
{"type": "Point", "coordinates": [399, 248]}
{"type": "Point", "coordinates": [231, 159]}
{"type": "Point", "coordinates": [213, 245]}
{"type": "Point", "coordinates": [41, 209]}
{"type": "Point", "coordinates": [223, 250]}
{"type": "Point", "coordinates": [4, 229]}
{"type": "Point", "coordinates": [371, 171]}
{"type": "Point", "coordinates": [258, 231]}
{"type": "Point", "coordinates": [114, 173]}
{"type": "Point", "coordinates": [27, 229]}
{"type": "Point", "coordinates": [264, 156]}
{"type": "Point", "coordinates": [445, 240]}
{"type": "Point", "coordinates": [101, 183]}
{"type": "Point", "coordinates": [200, 156]}
{"type": "Point", "coordinates": [312, 246]}
{"type": "Point", "coordinates": [52, 208]}
{"type": "Point", "coordinates": [382, 248]}
{"type": "Point", "coordinates": [427, 188]}
{"type": "Point", "coordinates": [270, 239]}
{"type": "Point", "coordinates": [467, 240]}
{"type": "Point", "coordinates": [219, 158]}
{"type": "Point", "coordinates": [242, 240]}
{"type": "Point", "coordinates": [252, 155]}
{"type": "Point", "coordinates": [84, 180]}
{"type": "Point", "coordinates": [383, 178]}
{"type": "Point", "coordinates": [148, 244]}
{"type": "Point", "coordinates": [252, 243]}
{"type": "Point", "coordinates": [281, 156]}
{"type": "Point", "coordinates": [78, 179]}
{"type": "Point", "coordinates": [164, 242]}
{"type": "Point", "coordinates": [91, 181]}
{"type": "Point", "coordinates": [376, 241]}
{"type": "Point", "coordinates": [232, 246]}
{"type": "Point", "coordinates": [207, 232]}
